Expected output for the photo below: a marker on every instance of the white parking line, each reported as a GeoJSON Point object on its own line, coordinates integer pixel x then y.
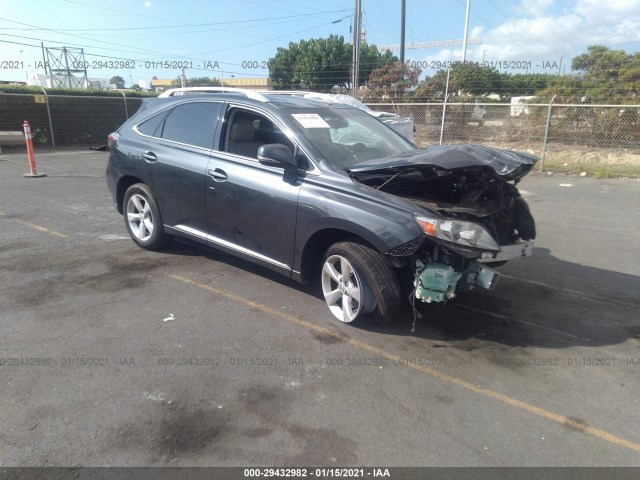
{"type": "Point", "coordinates": [528, 407]}
{"type": "Point", "coordinates": [27, 164]}
{"type": "Point", "coordinates": [109, 237]}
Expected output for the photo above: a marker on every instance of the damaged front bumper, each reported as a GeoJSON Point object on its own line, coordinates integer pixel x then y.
{"type": "Point", "coordinates": [438, 282]}
{"type": "Point", "coordinates": [509, 252]}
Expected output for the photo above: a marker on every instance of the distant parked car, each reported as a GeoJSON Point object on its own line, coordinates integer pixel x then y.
{"type": "Point", "coordinates": [319, 191]}
{"type": "Point", "coordinates": [478, 114]}
{"type": "Point", "coordinates": [403, 125]}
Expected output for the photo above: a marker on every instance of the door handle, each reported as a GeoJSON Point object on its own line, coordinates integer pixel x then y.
{"type": "Point", "coordinates": [218, 175]}
{"type": "Point", "coordinates": [149, 156]}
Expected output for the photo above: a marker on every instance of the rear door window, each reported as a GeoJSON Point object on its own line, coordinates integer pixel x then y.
{"type": "Point", "coordinates": [193, 123]}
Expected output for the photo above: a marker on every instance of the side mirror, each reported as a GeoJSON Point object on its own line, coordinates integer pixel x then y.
{"type": "Point", "coordinates": [277, 155]}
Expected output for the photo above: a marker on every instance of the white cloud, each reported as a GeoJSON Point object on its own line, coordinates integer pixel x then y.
{"type": "Point", "coordinates": [476, 32]}
{"type": "Point", "coordinates": [607, 12]}
{"type": "Point", "coordinates": [539, 37]}
{"type": "Point", "coordinates": [534, 7]}
{"type": "Point", "coordinates": [147, 3]}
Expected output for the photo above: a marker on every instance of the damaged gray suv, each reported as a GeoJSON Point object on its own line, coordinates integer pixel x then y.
{"type": "Point", "coordinates": [319, 191]}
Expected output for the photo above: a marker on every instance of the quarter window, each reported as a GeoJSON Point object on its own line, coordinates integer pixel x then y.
{"type": "Point", "coordinates": [153, 126]}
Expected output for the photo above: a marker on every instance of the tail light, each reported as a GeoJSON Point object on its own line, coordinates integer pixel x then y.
{"type": "Point", "coordinates": [112, 138]}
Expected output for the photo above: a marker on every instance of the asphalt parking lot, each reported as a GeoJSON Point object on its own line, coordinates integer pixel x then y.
{"type": "Point", "coordinates": [112, 355]}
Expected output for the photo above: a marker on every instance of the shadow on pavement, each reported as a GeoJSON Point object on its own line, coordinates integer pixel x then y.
{"type": "Point", "coordinates": [523, 311]}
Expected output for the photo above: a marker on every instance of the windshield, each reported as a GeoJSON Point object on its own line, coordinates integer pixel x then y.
{"type": "Point", "coordinates": [346, 136]}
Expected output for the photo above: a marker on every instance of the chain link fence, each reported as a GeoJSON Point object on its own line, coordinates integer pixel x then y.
{"type": "Point", "coordinates": [601, 140]}
{"type": "Point", "coordinates": [63, 120]}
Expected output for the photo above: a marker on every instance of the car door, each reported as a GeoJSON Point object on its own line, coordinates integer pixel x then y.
{"type": "Point", "coordinates": [176, 154]}
{"type": "Point", "coordinates": [251, 208]}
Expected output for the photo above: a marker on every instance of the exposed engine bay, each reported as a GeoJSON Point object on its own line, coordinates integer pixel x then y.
{"type": "Point", "coordinates": [479, 218]}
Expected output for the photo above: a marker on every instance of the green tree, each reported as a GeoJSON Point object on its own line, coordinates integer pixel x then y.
{"type": "Point", "coordinates": [630, 76]}
{"type": "Point", "coordinates": [431, 88]}
{"type": "Point", "coordinates": [392, 80]}
{"type": "Point", "coordinates": [603, 76]}
{"type": "Point", "coordinates": [600, 62]}
{"type": "Point", "coordinates": [470, 78]}
{"type": "Point", "coordinates": [322, 63]}
{"type": "Point", "coordinates": [474, 78]}
{"type": "Point", "coordinates": [118, 81]}
{"type": "Point", "coordinates": [197, 82]}
{"type": "Point", "coordinates": [371, 59]}
{"type": "Point", "coordinates": [519, 84]}
{"type": "Point", "coordinates": [480, 80]}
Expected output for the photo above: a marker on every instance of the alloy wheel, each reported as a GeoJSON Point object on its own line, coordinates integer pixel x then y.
{"type": "Point", "coordinates": [342, 288]}
{"type": "Point", "coordinates": [139, 217]}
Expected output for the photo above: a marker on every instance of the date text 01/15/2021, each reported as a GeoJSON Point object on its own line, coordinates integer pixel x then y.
{"type": "Point", "coordinates": [493, 64]}
{"type": "Point", "coordinates": [121, 64]}
{"type": "Point", "coordinates": [316, 472]}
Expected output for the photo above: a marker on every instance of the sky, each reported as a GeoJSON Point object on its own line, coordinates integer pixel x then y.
{"type": "Point", "coordinates": [138, 39]}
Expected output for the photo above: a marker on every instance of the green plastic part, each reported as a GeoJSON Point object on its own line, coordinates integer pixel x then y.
{"type": "Point", "coordinates": [436, 283]}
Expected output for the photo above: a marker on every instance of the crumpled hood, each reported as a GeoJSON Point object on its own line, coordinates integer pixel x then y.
{"type": "Point", "coordinates": [377, 114]}
{"type": "Point", "coordinates": [507, 163]}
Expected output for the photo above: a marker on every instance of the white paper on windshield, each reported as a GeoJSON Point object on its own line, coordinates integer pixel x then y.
{"type": "Point", "coordinates": [310, 120]}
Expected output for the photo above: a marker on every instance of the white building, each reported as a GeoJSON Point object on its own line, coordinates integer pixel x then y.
{"type": "Point", "coordinates": [40, 80]}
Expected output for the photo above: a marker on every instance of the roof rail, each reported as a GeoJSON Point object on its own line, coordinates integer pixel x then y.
{"type": "Point", "coordinates": [285, 92]}
{"type": "Point", "coordinates": [182, 90]}
{"type": "Point", "coordinates": [323, 97]}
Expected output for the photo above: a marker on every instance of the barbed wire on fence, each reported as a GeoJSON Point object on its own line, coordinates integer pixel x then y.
{"type": "Point", "coordinates": [60, 120]}
{"type": "Point", "coordinates": [602, 140]}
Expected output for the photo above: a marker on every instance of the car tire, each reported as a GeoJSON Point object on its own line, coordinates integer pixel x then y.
{"type": "Point", "coordinates": [142, 218]}
{"type": "Point", "coordinates": [356, 281]}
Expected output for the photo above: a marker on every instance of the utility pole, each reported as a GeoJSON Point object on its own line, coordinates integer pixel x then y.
{"type": "Point", "coordinates": [66, 65]}
{"type": "Point", "coordinates": [63, 63]}
{"type": "Point", "coordinates": [560, 66]}
{"type": "Point", "coordinates": [355, 68]}
{"type": "Point", "coordinates": [466, 32]}
{"type": "Point", "coordinates": [182, 78]}
{"type": "Point", "coordinates": [403, 11]}
{"type": "Point", "coordinates": [46, 65]}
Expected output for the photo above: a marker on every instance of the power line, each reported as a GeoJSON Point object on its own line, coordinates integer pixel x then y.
{"type": "Point", "coordinates": [267, 40]}
{"type": "Point", "coordinates": [82, 37]}
{"type": "Point", "coordinates": [72, 45]}
{"type": "Point", "coordinates": [523, 5]}
{"type": "Point", "coordinates": [211, 24]}
{"type": "Point", "coordinates": [497, 30]}
{"type": "Point", "coordinates": [128, 13]}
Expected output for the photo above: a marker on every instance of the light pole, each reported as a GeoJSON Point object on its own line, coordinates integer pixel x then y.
{"type": "Point", "coordinates": [466, 32]}
{"type": "Point", "coordinates": [355, 68]}
{"type": "Point", "coordinates": [560, 66]}
{"type": "Point", "coordinates": [403, 10]}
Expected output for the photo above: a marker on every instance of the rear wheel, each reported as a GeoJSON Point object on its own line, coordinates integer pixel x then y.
{"type": "Point", "coordinates": [356, 280]}
{"type": "Point", "coordinates": [142, 218]}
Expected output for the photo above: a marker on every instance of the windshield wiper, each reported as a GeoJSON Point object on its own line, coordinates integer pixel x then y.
{"type": "Point", "coordinates": [403, 170]}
